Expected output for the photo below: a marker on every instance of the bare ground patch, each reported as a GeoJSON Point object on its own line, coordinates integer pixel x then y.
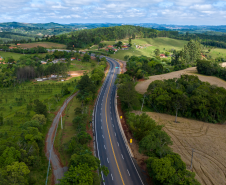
{"type": "Point", "coordinates": [43, 44]}
{"type": "Point", "coordinates": [223, 64]}
{"type": "Point", "coordinates": [208, 141]}
{"type": "Point", "coordinates": [141, 87]}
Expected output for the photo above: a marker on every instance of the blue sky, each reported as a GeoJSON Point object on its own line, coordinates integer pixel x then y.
{"type": "Point", "coordinates": [183, 12]}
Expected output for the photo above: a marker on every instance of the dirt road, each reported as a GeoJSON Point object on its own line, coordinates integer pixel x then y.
{"type": "Point", "coordinates": [208, 141]}
{"type": "Point", "coordinates": [141, 87]}
{"type": "Point", "coordinates": [57, 168]}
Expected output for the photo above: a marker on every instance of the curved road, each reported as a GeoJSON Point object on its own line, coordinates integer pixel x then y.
{"type": "Point", "coordinates": [111, 148]}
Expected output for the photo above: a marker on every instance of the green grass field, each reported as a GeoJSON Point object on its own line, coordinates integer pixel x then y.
{"type": "Point", "coordinates": [16, 56]}
{"type": "Point", "coordinates": [79, 65]}
{"type": "Point", "coordinates": [149, 45]}
{"type": "Point", "coordinates": [162, 43]}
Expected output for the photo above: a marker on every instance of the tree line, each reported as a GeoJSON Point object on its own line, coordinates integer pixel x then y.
{"type": "Point", "coordinates": [38, 49]}
{"type": "Point", "coordinates": [188, 97]}
{"type": "Point", "coordinates": [84, 168]}
{"type": "Point", "coordinates": [211, 68]}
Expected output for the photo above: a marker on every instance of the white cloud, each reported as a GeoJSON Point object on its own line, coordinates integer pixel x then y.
{"type": "Point", "coordinates": [201, 7]}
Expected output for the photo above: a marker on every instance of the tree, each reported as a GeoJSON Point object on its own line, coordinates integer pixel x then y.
{"type": "Point", "coordinates": [141, 125]}
{"type": "Point", "coordinates": [40, 108]}
{"type": "Point", "coordinates": [160, 169]}
{"type": "Point", "coordinates": [130, 41]}
{"type": "Point", "coordinates": [81, 174]}
{"type": "Point", "coordinates": [156, 142]}
{"type": "Point", "coordinates": [157, 52]}
{"type": "Point", "coordinates": [86, 58]}
{"type": "Point", "coordinates": [9, 156]}
{"type": "Point", "coordinates": [126, 57]}
{"type": "Point", "coordinates": [84, 138]}
{"type": "Point", "coordinates": [40, 118]}
{"type": "Point", "coordinates": [17, 173]}
{"type": "Point", "coordinates": [128, 95]}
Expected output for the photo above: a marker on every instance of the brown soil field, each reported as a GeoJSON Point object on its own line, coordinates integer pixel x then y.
{"type": "Point", "coordinates": [207, 140]}
{"type": "Point", "coordinates": [141, 87]}
{"type": "Point", "coordinates": [75, 74]}
{"type": "Point", "coordinates": [43, 44]}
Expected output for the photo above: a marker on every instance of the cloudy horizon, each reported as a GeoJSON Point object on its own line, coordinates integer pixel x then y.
{"type": "Point", "coordinates": [191, 12]}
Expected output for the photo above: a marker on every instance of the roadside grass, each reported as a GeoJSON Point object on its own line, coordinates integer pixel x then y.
{"type": "Point", "coordinates": [64, 135]}
{"type": "Point", "coordinates": [16, 56]}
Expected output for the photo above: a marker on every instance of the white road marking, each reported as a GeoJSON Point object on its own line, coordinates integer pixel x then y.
{"type": "Point", "coordinates": [107, 160]}
{"type": "Point", "coordinates": [103, 136]}
{"type": "Point", "coordinates": [111, 176]}
{"type": "Point", "coordinates": [101, 120]}
{"type": "Point", "coordinates": [101, 127]}
{"type": "Point", "coordinates": [105, 147]}
{"type": "Point", "coordinates": [122, 156]}
{"type": "Point", "coordinates": [118, 143]}
{"type": "Point", "coordinates": [115, 134]}
{"type": "Point", "coordinates": [112, 125]}
{"type": "Point", "coordinates": [111, 118]}
{"type": "Point", "coordinates": [128, 172]}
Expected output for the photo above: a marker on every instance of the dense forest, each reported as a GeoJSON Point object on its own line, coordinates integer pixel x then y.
{"type": "Point", "coordinates": [211, 69]}
{"type": "Point", "coordinates": [188, 97]}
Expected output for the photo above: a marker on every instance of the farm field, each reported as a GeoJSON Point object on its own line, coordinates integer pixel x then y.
{"type": "Point", "coordinates": [207, 140]}
{"type": "Point", "coordinates": [49, 45]}
{"type": "Point", "coordinates": [141, 87]}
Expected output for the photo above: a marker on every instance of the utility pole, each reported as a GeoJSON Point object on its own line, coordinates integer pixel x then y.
{"type": "Point", "coordinates": [143, 103]}
{"type": "Point", "coordinates": [191, 158]}
{"type": "Point", "coordinates": [61, 121]}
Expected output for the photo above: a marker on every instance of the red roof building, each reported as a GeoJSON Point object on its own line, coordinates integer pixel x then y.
{"type": "Point", "coordinates": [110, 46]}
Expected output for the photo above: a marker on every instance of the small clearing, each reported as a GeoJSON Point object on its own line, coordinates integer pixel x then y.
{"type": "Point", "coordinates": [76, 73]}
{"type": "Point", "coordinates": [207, 140]}
{"type": "Point", "coordinates": [223, 64]}
{"type": "Point", "coordinates": [141, 87]}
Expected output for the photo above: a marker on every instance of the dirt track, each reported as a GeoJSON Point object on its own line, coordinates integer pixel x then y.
{"type": "Point", "coordinates": [58, 169]}
{"type": "Point", "coordinates": [208, 140]}
{"type": "Point", "coordinates": [141, 87]}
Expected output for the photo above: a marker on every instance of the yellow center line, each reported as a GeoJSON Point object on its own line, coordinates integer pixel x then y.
{"type": "Point", "coordinates": [109, 133]}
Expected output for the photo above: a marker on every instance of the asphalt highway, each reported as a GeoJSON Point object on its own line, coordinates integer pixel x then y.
{"type": "Point", "coordinates": [111, 148]}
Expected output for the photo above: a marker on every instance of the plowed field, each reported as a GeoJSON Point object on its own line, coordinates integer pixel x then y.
{"type": "Point", "coordinates": [207, 140]}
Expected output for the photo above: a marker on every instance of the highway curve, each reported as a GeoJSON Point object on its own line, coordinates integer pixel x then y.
{"type": "Point", "coordinates": [111, 148]}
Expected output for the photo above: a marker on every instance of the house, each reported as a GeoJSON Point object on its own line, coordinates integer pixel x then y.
{"type": "Point", "coordinates": [18, 44]}
{"type": "Point", "coordinates": [124, 47]}
{"type": "Point", "coordinates": [93, 58]}
{"type": "Point", "coordinates": [114, 50]}
{"type": "Point", "coordinates": [162, 55]}
{"type": "Point", "coordinates": [43, 62]}
{"type": "Point", "coordinates": [106, 49]}
{"type": "Point", "coordinates": [110, 46]}
{"type": "Point", "coordinates": [79, 59]}
{"type": "Point", "coordinates": [73, 58]}
{"type": "Point", "coordinates": [53, 76]}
